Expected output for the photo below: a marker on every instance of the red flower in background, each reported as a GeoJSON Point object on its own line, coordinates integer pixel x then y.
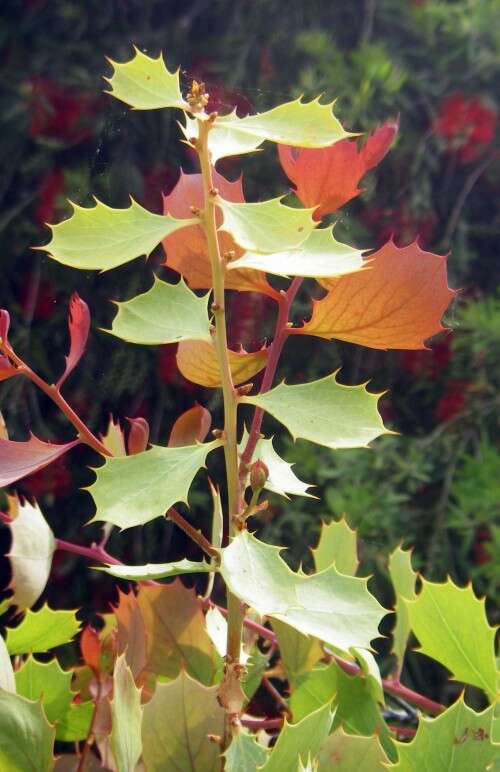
{"type": "Point", "coordinates": [400, 224]}
{"type": "Point", "coordinates": [328, 177]}
{"type": "Point", "coordinates": [59, 112]}
{"type": "Point", "coordinates": [467, 124]}
{"type": "Point", "coordinates": [452, 401]}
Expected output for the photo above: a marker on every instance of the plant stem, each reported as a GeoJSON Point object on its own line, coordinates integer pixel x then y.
{"type": "Point", "coordinates": [95, 552]}
{"type": "Point", "coordinates": [193, 534]}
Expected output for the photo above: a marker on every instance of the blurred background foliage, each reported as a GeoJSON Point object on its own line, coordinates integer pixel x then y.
{"type": "Point", "coordinates": [436, 65]}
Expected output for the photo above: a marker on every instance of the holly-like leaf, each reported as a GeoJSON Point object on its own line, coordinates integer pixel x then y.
{"type": "Point", "coordinates": [346, 752]}
{"type": "Point", "coordinates": [131, 636]}
{"type": "Point", "coordinates": [7, 679]}
{"type": "Point", "coordinates": [42, 630]}
{"type": "Point", "coordinates": [268, 226]}
{"type": "Point", "coordinates": [190, 427]}
{"type": "Point", "coordinates": [458, 740]}
{"type": "Point", "coordinates": [299, 741]}
{"type": "Point", "coordinates": [79, 325]}
{"type": "Point", "coordinates": [46, 681]}
{"type": "Point", "coordinates": [187, 252]}
{"type": "Point", "coordinates": [335, 608]}
{"type": "Point", "coordinates": [166, 313]}
{"type": "Point", "coordinates": [321, 255]}
{"type": "Point", "coordinates": [244, 754]}
{"type": "Point", "coordinates": [223, 141]}
{"type": "Point", "coordinates": [135, 489]}
{"type": "Point", "coordinates": [304, 124]}
{"type": "Point", "coordinates": [451, 626]}
{"type": "Point", "coordinates": [337, 546]}
{"type": "Point", "coordinates": [156, 570]}
{"type": "Point", "coordinates": [328, 177]}
{"type": "Point", "coordinates": [371, 672]}
{"type": "Point", "coordinates": [281, 480]}
{"type": "Point", "coordinates": [396, 303]}
{"type": "Point", "coordinates": [299, 653]}
{"type": "Point", "coordinates": [126, 711]}
{"type": "Point", "coordinates": [138, 435]}
{"type": "Point", "coordinates": [324, 412]}
{"type": "Point", "coordinates": [30, 555]}
{"type": "Point", "coordinates": [19, 459]}
{"type": "Point", "coordinates": [197, 361]}
{"type": "Point", "coordinates": [145, 83]}
{"type": "Point", "coordinates": [101, 238]}
{"type": "Point", "coordinates": [176, 725]}
{"type": "Point", "coordinates": [403, 578]}
{"type": "Point", "coordinates": [26, 737]}
{"type": "Point", "coordinates": [114, 439]}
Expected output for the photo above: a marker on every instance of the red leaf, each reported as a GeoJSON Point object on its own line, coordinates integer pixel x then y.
{"type": "Point", "coordinates": [138, 435]}
{"type": "Point", "coordinates": [397, 302]}
{"type": "Point", "coordinates": [192, 426]}
{"type": "Point", "coordinates": [187, 253]}
{"type": "Point", "coordinates": [90, 647]}
{"type": "Point", "coordinates": [79, 325]}
{"type": "Point", "coordinates": [328, 177]}
{"type": "Point", "coordinates": [19, 459]}
{"type": "Point", "coordinates": [4, 325]}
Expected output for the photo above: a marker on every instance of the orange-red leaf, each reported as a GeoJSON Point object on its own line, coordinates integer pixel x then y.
{"type": "Point", "coordinates": [328, 177]}
{"type": "Point", "coordinates": [90, 646]}
{"type": "Point", "coordinates": [191, 426]}
{"type": "Point", "coordinates": [186, 250]}
{"type": "Point", "coordinates": [19, 459]}
{"type": "Point", "coordinates": [396, 303]}
{"type": "Point", "coordinates": [138, 435]}
{"type": "Point", "coordinates": [79, 325]}
{"type": "Point", "coordinates": [198, 363]}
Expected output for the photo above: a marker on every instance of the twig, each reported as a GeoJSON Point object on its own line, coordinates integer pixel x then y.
{"type": "Point", "coordinates": [261, 723]}
{"type": "Point", "coordinates": [278, 698]}
{"type": "Point", "coordinates": [462, 196]}
{"type": "Point", "coordinates": [95, 552]}
{"type": "Point", "coordinates": [193, 534]}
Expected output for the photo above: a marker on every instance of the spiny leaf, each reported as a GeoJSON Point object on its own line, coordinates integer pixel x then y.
{"type": "Point", "coordinates": [244, 754]}
{"type": "Point", "coordinates": [133, 490]}
{"type": "Point", "coordinates": [325, 412]}
{"type": "Point", "coordinates": [176, 725]}
{"type": "Point", "coordinates": [321, 255]}
{"type": "Point", "coordinates": [337, 546]}
{"type": "Point", "coordinates": [371, 672]}
{"type": "Point", "coordinates": [145, 83]}
{"type": "Point", "coordinates": [79, 325]}
{"type": "Point", "coordinates": [30, 555]}
{"type": "Point", "coordinates": [458, 740]}
{"type": "Point", "coordinates": [166, 313]}
{"type": "Point", "coordinates": [298, 741]}
{"type": "Point", "coordinates": [223, 141]}
{"type": "Point", "coordinates": [26, 737]}
{"type": "Point", "coordinates": [397, 302]}
{"type": "Point", "coordinates": [52, 685]}
{"type": "Point", "coordinates": [126, 712]}
{"type": "Point", "coordinates": [7, 679]}
{"type": "Point", "coordinates": [190, 427]}
{"type": "Point", "coordinates": [281, 480]}
{"type": "Point", "coordinates": [451, 625]}
{"type": "Point", "coordinates": [347, 752]}
{"type": "Point", "coordinates": [156, 570]}
{"type": "Point", "coordinates": [19, 459]}
{"type": "Point", "coordinates": [335, 608]}
{"type": "Point", "coordinates": [268, 226]}
{"type": "Point", "coordinates": [304, 124]}
{"type": "Point", "coordinates": [197, 361]}
{"type": "Point", "coordinates": [42, 630]}
{"type": "Point", "coordinates": [299, 653]}
{"type": "Point", "coordinates": [328, 177]}
{"type": "Point", "coordinates": [403, 579]}
{"type": "Point", "coordinates": [100, 238]}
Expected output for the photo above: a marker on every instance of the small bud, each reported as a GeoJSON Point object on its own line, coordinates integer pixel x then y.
{"type": "Point", "coordinates": [195, 210]}
{"type": "Point", "coordinates": [259, 475]}
{"type": "Point", "coordinates": [217, 433]}
{"type": "Point", "coordinates": [242, 391]}
{"type": "Point", "coordinates": [214, 192]}
{"type": "Point", "coordinates": [229, 255]}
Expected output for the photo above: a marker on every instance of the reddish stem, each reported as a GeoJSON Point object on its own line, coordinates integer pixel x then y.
{"type": "Point", "coordinates": [95, 552]}
{"type": "Point", "coordinates": [403, 731]}
{"type": "Point", "coordinates": [261, 723]}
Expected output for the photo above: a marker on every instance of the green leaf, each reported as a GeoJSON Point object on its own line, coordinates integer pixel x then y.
{"type": "Point", "coordinates": [135, 489]}
{"type": "Point", "coordinates": [125, 738]}
{"type": "Point", "coordinates": [52, 685]}
{"type": "Point", "coordinates": [100, 238]}
{"type": "Point", "coordinates": [347, 752]}
{"type": "Point", "coordinates": [30, 555]}
{"type": "Point", "coordinates": [166, 313]}
{"type": "Point", "coordinates": [222, 141]}
{"type": "Point", "coordinates": [325, 412]}
{"type": "Point", "coordinates": [145, 83]}
{"type": "Point", "coordinates": [451, 625]}
{"type": "Point", "coordinates": [152, 571]}
{"type": "Point", "coordinates": [337, 547]}
{"type": "Point", "coordinates": [26, 737]}
{"type": "Point", "coordinates": [42, 630]}
{"type": "Point", "coordinates": [7, 680]}
{"type": "Point", "coordinates": [281, 479]}
{"type": "Point", "coordinates": [176, 725]}
{"type": "Point", "coordinates": [298, 741]}
{"type": "Point", "coordinates": [403, 579]}
{"type": "Point", "coordinates": [268, 226]}
{"type": "Point", "coordinates": [371, 672]}
{"type": "Point", "coordinates": [256, 666]}
{"type": "Point", "coordinates": [299, 653]}
{"type": "Point", "coordinates": [335, 608]}
{"type": "Point", "coordinates": [303, 124]}
{"type": "Point", "coordinates": [459, 740]}
{"type": "Point", "coordinates": [244, 754]}
{"type": "Point", "coordinates": [320, 256]}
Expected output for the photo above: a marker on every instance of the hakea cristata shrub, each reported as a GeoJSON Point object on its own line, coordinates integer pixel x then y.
{"type": "Point", "coordinates": [167, 682]}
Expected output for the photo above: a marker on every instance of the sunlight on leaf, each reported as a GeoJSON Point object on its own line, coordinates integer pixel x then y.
{"type": "Point", "coordinates": [30, 555]}
{"type": "Point", "coordinates": [145, 83]}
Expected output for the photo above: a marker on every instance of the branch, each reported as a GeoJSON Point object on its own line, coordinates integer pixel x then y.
{"type": "Point", "coordinates": [193, 534]}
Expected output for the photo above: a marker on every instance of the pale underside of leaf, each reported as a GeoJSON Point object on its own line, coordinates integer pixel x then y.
{"type": "Point", "coordinates": [145, 83]}
{"type": "Point", "coordinates": [30, 555]}
{"type": "Point", "coordinates": [281, 480]}
{"type": "Point", "coordinates": [223, 141]}
{"type": "Point", "coordinates": [156, 570]}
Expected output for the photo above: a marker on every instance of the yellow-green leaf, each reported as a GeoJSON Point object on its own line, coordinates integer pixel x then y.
{"type": "Point", "coordinates": [145, 83]}
{"type": "Point", "coordinates": [223, 141]}
{"type": "Point", "coordinates": [347, 752]}
{"type": "Point", "coordinates": [299, 741]}
{"type": "Point", "coordinates": [126, 713]}
{"type": "Point", "coordinates": [26, 737]}
{"type": "Point", "coordinates": [42, 630]}
{"type": "Point", "coordinates": [337, 546]}
{"type": "Point", "coordinates": [403, 579]}
{"type": "Point", "coordinates": [299, 653]}
{"type": "Point", "coordinates": [244, 754]}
